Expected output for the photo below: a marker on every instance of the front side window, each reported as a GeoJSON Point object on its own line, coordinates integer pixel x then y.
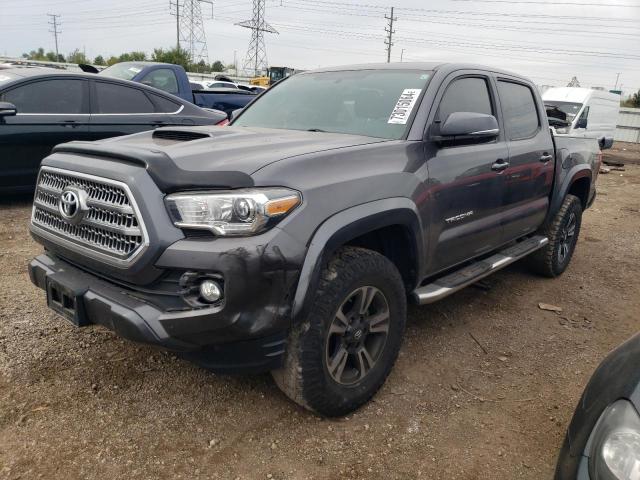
{"type": "Point", "coordinates": [470, 94]}
{"type": "Point", "coordinates": [59, 96]}
{"type": "Point", "coordinates": [374, 103]}
{"type": "Point", "coordinates": [113, 98]}
{"type": "Point", "coordinates": [519, 110]}
{"type": "Point", "coordinates": [162, 79]}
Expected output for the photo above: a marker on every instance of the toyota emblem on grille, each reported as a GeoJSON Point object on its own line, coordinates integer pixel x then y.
{"type": "Point", "coordinates": [71, 205]}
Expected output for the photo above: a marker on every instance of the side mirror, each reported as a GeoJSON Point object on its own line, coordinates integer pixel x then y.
{"type": "Point", "coordinates": [235, 113]}
{"type": "Point", "coordinates": [468, 125]}
{"type": "Point", "coordinates": [605, 143]}
{"type": "Point", "coordinates": [7, 109]}
{"type": "Point", "coordinates": [581, 123]}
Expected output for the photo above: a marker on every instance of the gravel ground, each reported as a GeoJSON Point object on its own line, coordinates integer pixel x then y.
{"type": "Point", "coordinates": [81, 403]}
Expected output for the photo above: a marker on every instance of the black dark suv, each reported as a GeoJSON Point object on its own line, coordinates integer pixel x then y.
{"type": "Point", "coordinates": [292, 240]}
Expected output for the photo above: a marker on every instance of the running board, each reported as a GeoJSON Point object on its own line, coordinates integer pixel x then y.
{"type": "Point", "coordinates": [445, 286]}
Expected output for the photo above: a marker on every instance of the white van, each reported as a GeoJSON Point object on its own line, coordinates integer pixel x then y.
{"type": "Point", "coordinates": [589, 113]}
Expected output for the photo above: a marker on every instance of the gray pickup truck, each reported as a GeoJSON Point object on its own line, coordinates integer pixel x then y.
{"type": "Point", "coordinates": [292, 240]}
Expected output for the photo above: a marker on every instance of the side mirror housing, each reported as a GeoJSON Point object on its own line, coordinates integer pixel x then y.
{"type": "Point", "coordinates": [7, 109]}
{"type": "Point", "coordinates": [468, 126]}
{"type": "Point", "coordinates": [605, 143]}
{"type": "Point", "coordinates": [581, 123]}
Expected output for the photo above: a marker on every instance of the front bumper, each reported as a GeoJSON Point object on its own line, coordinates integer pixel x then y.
{"type": "Point", "coordinates": [214, 337]}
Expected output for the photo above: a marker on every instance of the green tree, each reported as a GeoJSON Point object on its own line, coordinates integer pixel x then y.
{"type": "Point", "coordinates": [112, 60]}
{"type": "Point", "coordinates": [77, 57]}
{"type": "Point", "coordinates": [99, 60]}
{"type": "Point", "coordinates": [217, 66]}
{"type": "Point", "coordinates": [177, 56]}
{"type": "Point", "coordinates": [35, 55]}
{"type": "Point", "coordinates": [133, 57]}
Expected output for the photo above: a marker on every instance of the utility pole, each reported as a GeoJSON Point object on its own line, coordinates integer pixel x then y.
{"type": "Point", "coordinates": [401, 54]}
{"type": "Point", "coordinates": [256, 60]}
{"type": "Point", "coordinates": [177, 5]}
{"type": "Point", "coordinates": [55, 25]}
{"type": "Point", "coordinates": [617, 79]}
{"type": "Point", "coordinates": [390, 31]}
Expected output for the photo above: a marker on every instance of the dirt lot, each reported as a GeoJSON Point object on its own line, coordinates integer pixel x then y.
{"type": "Point", "coordinates": [81, 403]}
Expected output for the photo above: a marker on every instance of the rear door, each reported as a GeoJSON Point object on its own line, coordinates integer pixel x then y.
{"type": "Point", "coordinates": [119, 109]}
{"type": "Point", "coordinates": [529, 177]}
{"type": "Point", "coordinates": [465, 189]}
{"type": "Point", "coordinates": [50, 111]}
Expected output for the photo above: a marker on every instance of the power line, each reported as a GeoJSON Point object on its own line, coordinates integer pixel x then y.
{"type": "Point", "coordinates": [531, 2]}
{"type": "Point", "coordinates": [55, 25]}
{"type": "Point", "coordinates": [390, 31]}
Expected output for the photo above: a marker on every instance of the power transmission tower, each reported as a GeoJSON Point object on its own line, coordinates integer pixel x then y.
{"type": "Point", "coordinates": [256, 59]}
{"type": "Point", "coordinates": [574, 82]}
{"type": "Point", "coordinates": [55, 25]}
{"type": "Point", "coordinates": [190, 29]}
{"type": "Point", "coordinates": [390, 31]}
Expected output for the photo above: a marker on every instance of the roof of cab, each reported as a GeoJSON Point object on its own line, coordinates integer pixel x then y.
{"type": "Point", "coordinates": [427, 66]}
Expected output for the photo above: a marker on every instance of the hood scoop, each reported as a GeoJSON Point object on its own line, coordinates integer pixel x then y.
{"type": "Point", "coordinates": [179, 135]}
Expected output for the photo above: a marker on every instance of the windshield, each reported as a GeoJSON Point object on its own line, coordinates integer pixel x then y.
{"type": "Point", "coordinates": [374, 103]}
{"type": "Point", "coordinates": [565, 111]}
{"type": "Point", "coordinates": [125, 71]}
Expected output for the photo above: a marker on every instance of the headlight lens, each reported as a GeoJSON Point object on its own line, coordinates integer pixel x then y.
{"type": "Point", "coordinates": [615, 451]}
{"type": "Point", "coordinates": [236, 212]}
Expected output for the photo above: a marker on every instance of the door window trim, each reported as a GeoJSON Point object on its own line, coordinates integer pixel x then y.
{"type": "Point", "coordinates": [94, 95]}
{"type": "Point", "coordinates": [85, 101]}
{"type": "Point", "coordinates": [535, 103]}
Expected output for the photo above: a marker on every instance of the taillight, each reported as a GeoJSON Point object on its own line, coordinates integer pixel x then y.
{"type": "Point", "coordinates": [223, 123]}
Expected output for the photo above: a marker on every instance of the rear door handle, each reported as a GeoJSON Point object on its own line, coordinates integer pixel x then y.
{"type": "Point", "coordinates": [500, 165]}
{"type": "Point", "coordinates": [546, 157]}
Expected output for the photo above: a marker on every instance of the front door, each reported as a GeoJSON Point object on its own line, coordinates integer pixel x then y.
{"type": "Point", "coordinates": [50, 112]}
{"type": "Point", "coordinates": [465, 190]}
{"type": "Point", "coordinates": [529, 177]}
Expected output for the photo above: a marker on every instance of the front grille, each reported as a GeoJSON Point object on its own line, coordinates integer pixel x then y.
{"type": "Point", "coordinates": [110, 227]}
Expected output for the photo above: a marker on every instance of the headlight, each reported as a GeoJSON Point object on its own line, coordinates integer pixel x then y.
{"type": "Point", "coordinates": [236, 212]}
{"type": "Point", "coordinates": [615, 447]}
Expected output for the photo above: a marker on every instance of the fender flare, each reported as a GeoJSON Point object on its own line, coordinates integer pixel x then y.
{"type": "Point", "coordinates": [575, 173]}
{"type": "Point", "coordinates": [347, 225]}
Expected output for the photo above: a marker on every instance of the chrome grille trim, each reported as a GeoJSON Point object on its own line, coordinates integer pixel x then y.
{"type": "Point", "coordinates": [111, 231]}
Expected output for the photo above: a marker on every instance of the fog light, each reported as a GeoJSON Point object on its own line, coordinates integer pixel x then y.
{"type": "Point", "coordinates": [210, 291]}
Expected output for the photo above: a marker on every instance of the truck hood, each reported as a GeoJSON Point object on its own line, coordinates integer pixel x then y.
{"type": "Point", "coordinates": [199, 157]}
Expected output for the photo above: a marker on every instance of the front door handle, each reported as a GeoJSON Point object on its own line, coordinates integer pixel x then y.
{"type": "Point", "coordinates": [500, 165]}
{"type": "Point", "coordinates": [546, 157]}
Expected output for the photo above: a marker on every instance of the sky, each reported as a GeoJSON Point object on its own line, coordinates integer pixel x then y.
{"type": "Point", "coordinates": [550, 41]}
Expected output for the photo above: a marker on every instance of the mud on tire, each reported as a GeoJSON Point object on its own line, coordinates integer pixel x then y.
{"type": "Point", "coordinates": [338, 357]}
{"type": "Point", "coordinates": [562, 232]}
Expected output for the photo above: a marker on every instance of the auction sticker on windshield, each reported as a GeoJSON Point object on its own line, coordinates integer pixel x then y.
{"type": "Point", "coordinates": [404, 106]}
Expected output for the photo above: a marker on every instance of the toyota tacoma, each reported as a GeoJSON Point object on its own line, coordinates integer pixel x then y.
{"type": "Point", "coordinates": [292, 240]}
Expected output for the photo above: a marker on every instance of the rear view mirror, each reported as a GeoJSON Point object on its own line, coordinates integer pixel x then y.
{"type": "Point", "coordinates": [468, 125]}
{"type": "Point", "coordinates": [605, 143]}
{"type": "Point", "coordinates": [7, 109]}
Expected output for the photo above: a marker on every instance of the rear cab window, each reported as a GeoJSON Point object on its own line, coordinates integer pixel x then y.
{"type": "Point", "coordinates": [519, 109]}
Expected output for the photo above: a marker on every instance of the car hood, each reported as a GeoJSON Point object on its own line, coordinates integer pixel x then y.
{"type": "Point", "coordinates": [197, 157]}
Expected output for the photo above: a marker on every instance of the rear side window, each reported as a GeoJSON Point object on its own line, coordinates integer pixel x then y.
{"type": "Point", "coordinates": [469, 94]}
{"type": "Point", "coordinates": [164, 105]}
{"type": "Point", "coordinates": [519, 110]}
{"type": "Point", "coordinates": [162, 79]}
{"type": "Point", "coordinates": [59, 96]}
{"type": "Point", "coordinates": [113, 98]}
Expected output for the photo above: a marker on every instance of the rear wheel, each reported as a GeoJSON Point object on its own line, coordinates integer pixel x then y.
{"type": "Point", "coordinates": [341, 355]}
{"type": "Point", "coordinates": [554, 258]}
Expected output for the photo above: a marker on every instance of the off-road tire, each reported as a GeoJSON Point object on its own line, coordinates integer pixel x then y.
{"type": "Point", "coordinates": [547, 261]}
{"type": "Point", "coordinates": [305, 377]}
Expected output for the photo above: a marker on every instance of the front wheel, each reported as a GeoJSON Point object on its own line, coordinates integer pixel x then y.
{"type": "Point", "coordinates": [562, 232]}
{"type": "Point", "coordinates": [341, 355]}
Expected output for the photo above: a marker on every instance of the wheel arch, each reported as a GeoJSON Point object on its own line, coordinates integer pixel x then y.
{"type": "Point", "coordinates": [366, 225]}
{"type": "Point", "coordinates": [578, 182]}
